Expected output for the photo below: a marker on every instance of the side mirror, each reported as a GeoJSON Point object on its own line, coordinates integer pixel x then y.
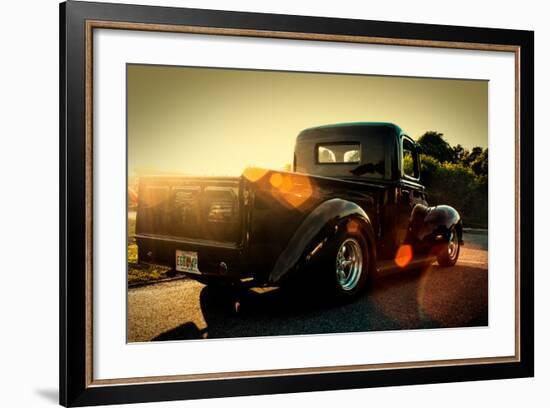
{"type": "Point", "coordinates": [419, 149]}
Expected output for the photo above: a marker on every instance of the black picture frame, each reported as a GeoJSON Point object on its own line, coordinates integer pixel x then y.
{"type": "Point", "coordinates": [76, 385]}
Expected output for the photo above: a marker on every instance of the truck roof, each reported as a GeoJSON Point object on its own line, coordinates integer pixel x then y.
{"type": "Point", "coordinates": [306, 133]}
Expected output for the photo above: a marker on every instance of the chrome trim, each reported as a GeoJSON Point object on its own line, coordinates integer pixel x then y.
{"type": "Point", "coordinates": [196, 242]}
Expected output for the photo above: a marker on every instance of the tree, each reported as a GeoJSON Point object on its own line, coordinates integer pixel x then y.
{"type": "Point", "coordinates": [472, 156]}
{"type": "Point", "coordinates": [433, 144]}
{"type": "Point", "coordinates": [480, 165]}
{"type": "Point", "coordinates": [458, 186]}
{"type": "Point", "coordinates": [459, 152]}
{"type": "Point", "coordinates": [455, 176]}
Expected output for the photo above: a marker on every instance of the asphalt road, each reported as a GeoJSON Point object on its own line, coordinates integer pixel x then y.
{"type": "Point", "coordinates": [432, 298]}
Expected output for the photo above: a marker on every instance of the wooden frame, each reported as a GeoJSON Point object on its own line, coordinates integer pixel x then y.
{"type": "Point", "coordinates": [77, 22]}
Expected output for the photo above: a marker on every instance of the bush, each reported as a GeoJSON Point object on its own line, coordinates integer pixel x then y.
{"type": "Point", "coordinates": [458, 186]}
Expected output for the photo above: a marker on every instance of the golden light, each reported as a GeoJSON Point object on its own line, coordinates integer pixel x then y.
{"type": "Point", "coordinates": [276, 180]}
{"type": "Point", "coordinates": [290, 188]}
{"type": "Point", "coordinates": [403, 255]}
{"type": "Point", "coordinates": [153, 196]}
{"type": "Point", "coordinates": [287, 184]}
{"type": "Point", "coordinates": [254, 174]}
{"type": "Point", "coordinates": [299, 190]}
{"type": "Point", "coordinates": [132, 196]}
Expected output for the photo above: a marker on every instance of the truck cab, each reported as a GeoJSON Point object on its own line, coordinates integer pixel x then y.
{"type": "Point", "coordinates": [370, 153]}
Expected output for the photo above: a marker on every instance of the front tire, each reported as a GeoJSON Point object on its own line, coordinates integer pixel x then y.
{"type": "Point", "coordinates": [448, 255]}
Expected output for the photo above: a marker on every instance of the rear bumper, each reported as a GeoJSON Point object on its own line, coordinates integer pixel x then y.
{"type": "Point", "coordinates": [161, 250]}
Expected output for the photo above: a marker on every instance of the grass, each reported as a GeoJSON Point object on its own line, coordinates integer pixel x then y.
{"type": "Point", "coordinates": [142, 273]}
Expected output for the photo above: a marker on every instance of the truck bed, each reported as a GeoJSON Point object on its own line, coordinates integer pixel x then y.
{"type": "Point", "coordinates": [243, 223]}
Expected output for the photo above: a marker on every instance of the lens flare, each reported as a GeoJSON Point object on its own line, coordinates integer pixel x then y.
{"type": "Point", "coordinates": [254, 174]}
{"type": "Point", "coordinates": [403, 255]}
{"type": "Point", "coordinates": [276, 180]}
{"type": "Point", "coordinates": [289, 188]}
{"type": "Point", "coordinates": [287, 184]}
{"type": "Point", "coordinates": [353, 227]}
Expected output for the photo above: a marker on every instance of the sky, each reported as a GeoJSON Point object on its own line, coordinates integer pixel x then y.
{"type": "Point", "coordinates": [210, 121]}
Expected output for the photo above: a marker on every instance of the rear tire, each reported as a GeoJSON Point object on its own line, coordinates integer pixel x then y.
{"type": "Point", "coordinates": [348, 265]}
{"type": "Point", "coordinates": [218, 300]}
{"type": "Point", "coordinates": [448, 256]}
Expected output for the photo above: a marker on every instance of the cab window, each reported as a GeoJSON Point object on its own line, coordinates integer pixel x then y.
{"type": "Point", "coordinates": [339, 153]}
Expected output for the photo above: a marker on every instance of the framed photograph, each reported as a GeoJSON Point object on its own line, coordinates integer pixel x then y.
{"type": "Point", "coordinates": [256, 203]}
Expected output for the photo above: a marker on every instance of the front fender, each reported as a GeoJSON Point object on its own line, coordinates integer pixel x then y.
{"type": "Point", "coordinates": [433, 224]}
{"type": "Point", "coordinates": [318, 227]}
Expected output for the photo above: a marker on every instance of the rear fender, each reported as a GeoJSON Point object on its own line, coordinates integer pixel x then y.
{"type": "Point", "coordinates": [316, 231]}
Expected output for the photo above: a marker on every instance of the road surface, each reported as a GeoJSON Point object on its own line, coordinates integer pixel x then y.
{"type": "Point", "coordinates": [433, 298]}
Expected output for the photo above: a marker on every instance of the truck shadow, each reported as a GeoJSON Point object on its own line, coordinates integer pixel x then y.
{"type": "Point", "coordinates": [429, 298]}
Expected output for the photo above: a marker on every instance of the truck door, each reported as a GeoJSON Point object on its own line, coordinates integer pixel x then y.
{"type": "Point", "coordinates": [409, 191]}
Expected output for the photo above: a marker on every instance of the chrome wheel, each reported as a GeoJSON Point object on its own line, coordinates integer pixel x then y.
{"type": "Point", "coordinates": [453, 245]}
{"type": "Point", "coordinates": [349, 264]}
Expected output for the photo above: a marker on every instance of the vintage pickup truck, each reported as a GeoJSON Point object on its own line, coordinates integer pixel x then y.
{"type": "Point", "coordinates": [352, 206]}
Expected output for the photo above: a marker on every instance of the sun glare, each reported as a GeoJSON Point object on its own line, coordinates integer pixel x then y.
{"type": "Point", "coordinates": [403, 255]}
